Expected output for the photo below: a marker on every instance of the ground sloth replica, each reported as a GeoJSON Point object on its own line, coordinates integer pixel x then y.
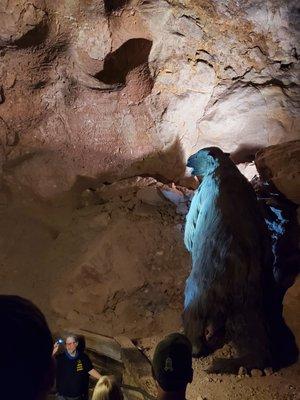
{"type": "Point", "coordinates": [231, 263]}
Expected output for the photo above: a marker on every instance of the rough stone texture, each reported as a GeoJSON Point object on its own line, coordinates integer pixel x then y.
{"type": "Point", "coordinates": [268, 371]}
{"type": "Point", "coordinates": [255, 373]}
{"type": "Point", "coordinates": [95, 89]}
{"type": "Point", "coordinates": [103, 89]}
{"type": "Point", "coordinates": [18, 19]}
{"type": "Point", "coordinates": [280, 165]}
{"type": "Point", "coordinates": [138, 367]}
{"type": "Point", "coordinates": [105, 265]}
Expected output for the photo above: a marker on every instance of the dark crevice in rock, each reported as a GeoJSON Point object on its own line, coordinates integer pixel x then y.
{"type": "Point", "coordinates": [2, 96]}
{"type": "Point", "coordinates": [273, 82]}
{"type": "Point", "coordinates": [117, 65]}
{"type": "Point", "coordinates": [178, 34]}
{"type": "Point", "coordinates": [39, 84]}
{"type": "Point", "coordinates": [35, 37]}
{"type": "Point", "coordinates": [294, 53]}
{"type": "Point", "coordinates": [204, 56]}
{"type": "Point", "coordinates": [255, 47]}
{"type": "Point", "coordinates": [286, 67]}
{"type": "Point", "coordinates": [242, 76]}
{"type": "Point", "coordinates": [205, 62]}
{"type": "Point", "coordinates": [113, 5]}
{"type": "Point", "coordinates": [199, 51]}
{"type": "Point", "coordinates": [194, 19]}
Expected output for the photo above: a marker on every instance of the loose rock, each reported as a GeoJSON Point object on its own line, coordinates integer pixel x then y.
{"type": "Point", "coordinates": [150, 195]}
{"type": "Point", "coordinates": [242, 371]}
{"type": "Point", "coordinates": [268, 371]}
{"type": "Point", "coordinates": [256, 373]}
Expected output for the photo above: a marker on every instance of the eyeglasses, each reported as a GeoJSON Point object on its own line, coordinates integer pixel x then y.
{"type": "Point", "coordinates": [70, 343]}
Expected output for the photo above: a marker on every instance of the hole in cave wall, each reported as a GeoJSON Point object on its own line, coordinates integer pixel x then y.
{"type": "Point", "coordinates": [113, 5]}
{"type": "Point", "coordinates": [34, 37]}
{"type": "Point", "coordinates": [117, 65]}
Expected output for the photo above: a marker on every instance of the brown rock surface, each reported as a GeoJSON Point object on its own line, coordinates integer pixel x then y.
{"type": "Point", "coordinates": [19, 21]}
{"type": "Point", "coordinates": [116, 89]}
{"type": "Point", "coordinates": [280, 164]}
{"type": "Point", "coordinates": [96, 91]}
{"type": "Point", "coordinates": [103, 266]}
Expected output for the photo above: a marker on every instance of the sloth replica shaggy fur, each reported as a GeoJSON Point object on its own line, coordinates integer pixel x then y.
{"type": "Point", "coordinates": [227, 238]}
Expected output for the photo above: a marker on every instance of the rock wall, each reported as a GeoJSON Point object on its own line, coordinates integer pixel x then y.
{"type": "Point", "coordinates": [115, 265]}
{"type": "Point", "coordinates": [104, 89]}
{"type": "Point", "coordinates": [280, 165]}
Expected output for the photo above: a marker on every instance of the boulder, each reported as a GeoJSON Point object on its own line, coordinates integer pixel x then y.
{"type": "Point", "coordinates": [280, 164]}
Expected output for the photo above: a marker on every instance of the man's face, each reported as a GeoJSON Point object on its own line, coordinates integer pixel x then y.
{"type": "Point", "coordinates": [71, 345]}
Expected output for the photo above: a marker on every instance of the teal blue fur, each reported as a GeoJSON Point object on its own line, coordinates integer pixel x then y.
{"type": "Point", "coordinates": [226, 236]}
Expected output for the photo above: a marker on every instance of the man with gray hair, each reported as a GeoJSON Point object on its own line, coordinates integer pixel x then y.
{"type": "Point", "coordinates": [73, 369]}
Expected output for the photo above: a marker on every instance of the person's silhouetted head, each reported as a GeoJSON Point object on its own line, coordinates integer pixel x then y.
{"type": "Point", "coordinates": [27, 369]}
{"type": "Point", "coordinates": [172, 365]}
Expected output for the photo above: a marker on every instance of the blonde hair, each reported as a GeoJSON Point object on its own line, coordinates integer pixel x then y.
{"type": "Point", "coordinates": [107, 389]}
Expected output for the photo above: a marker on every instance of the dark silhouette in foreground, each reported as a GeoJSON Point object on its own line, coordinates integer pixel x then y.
{"type": "Point", "coordinates": [172, 367]}
{"type": "Point", "coordinates": [27, 366]}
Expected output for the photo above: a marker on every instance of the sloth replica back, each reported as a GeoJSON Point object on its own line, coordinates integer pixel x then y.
{"type": "Point", "coordinates": [226, 236]}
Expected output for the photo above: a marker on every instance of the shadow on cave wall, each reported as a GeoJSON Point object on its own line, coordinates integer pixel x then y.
{"type": "Point", "coordinates": [34, 37]}
{"type": "Point", "coordinates": [131, 54]}
{"type": "Point", "coordinates": [165, 166]}
{"type": "Point", "coordinates": [244, 153]}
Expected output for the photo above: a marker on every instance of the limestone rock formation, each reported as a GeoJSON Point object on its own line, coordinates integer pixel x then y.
{"type": "Point", "coordinates": [107, 89]}
{"type": "Point", "coordinates": [280, 164]}
{"type": "Point", "coordinates": [20, 22]}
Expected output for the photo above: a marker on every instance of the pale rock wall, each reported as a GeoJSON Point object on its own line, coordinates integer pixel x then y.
{"type": "Point", "coordinates": [107, 89]}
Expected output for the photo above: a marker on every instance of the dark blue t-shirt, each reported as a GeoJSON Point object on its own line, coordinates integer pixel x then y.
{"type": "Point", "coordinates": [72, 374]}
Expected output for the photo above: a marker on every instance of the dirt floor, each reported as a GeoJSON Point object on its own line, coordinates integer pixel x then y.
{"type": "Point", "coordinates": [280, 385]}
{"type": "Point", "coordinates": [112, 261]}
